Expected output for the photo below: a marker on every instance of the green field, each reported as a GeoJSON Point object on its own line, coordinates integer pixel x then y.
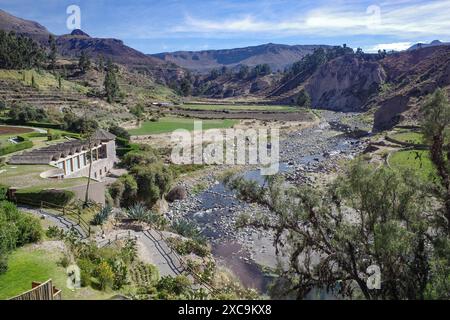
{"type": "Point", "coordinates": [417, 160]}
{"type": "Point", "coordinates": [236, 107]}
{"type": "Point", "coordinates": [27, 264]}
{"type": "Point", "coordinates": [169, 124]}
{"type": "Point", "coordinates": [409, 137]}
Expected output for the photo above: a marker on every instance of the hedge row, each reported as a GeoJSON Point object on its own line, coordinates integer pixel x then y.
{"type": "Point", "coordinates": [33, 124]}
{"type": "Point", "coordinates": [26, 144]}
{"type": "Point", "coordinates": [55, 197]}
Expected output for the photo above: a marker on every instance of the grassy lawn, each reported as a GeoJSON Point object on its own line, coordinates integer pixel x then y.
{"type": "Point", "coordinates": [212, 107]}
{"type": "Point", "coordinates": [169, 124]}
{"type": "Point", "coordinates": [409, 159]}
{"type": "Point", "coordinates": [31, 263]}
{"type": "Point", "coordinates": [409, 137]}
{"type": "Point", "coordinates": [28, 176]}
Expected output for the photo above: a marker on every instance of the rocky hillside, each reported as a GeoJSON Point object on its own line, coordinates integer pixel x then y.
{"type": "Point", "coordinates": [277, 56]}
{"type": "Point", "coordinates": [31, 29]}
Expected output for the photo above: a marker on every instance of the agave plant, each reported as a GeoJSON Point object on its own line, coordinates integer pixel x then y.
{"type": "Point", "coordinates": [139, 212]}
{"type": "Point", "coordinates": [102, 216]}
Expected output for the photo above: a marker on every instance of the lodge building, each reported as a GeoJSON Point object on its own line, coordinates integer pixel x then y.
{"type": "Point", "coordinates": [71, 159]}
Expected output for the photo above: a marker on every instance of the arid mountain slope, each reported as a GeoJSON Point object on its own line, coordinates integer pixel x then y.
{"type": "Point", "coordinates": [277, 56]}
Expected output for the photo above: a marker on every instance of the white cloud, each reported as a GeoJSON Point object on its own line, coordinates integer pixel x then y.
{"type": "Point", "coordinates": [408, 20]}
{"type": "Point", "coordinates": [396, 46]}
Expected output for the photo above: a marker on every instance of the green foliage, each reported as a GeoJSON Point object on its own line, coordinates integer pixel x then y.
{"type": "Point", "coordinates": [102, 216]}
{"type": "Point", "coordinates": [261, 70]}
{"type": "Point", "coordinates": [19, 52]}
{"type": "Point", "coordinates": [185, 247]}
{"type": "Point", "coordinates": [124, 191]}
{"type": "Point", "coordinates": [3, 192]}
{"type": "Point", "coordinates": [111, 85]}
{"type": "Point", "coordinates": [153, 180]}
{"type": "Point", "coordinates": [367, 217]}
{"type": "Point", "coordinates": [79, 124]}
{"type": "Point", "coordinates": [84, 63]}
{"type": "Point", "coordinates": [52, 54]}
{"type": "Point", "coordinates": [171, 288]}
{"type": "Point", "coordinates": [104, 274]}
{"type": "Point", "coordinates": [16, 229]}
{"type": "Point", "coordinates": [247, 190]}
{"type": "Point", "coordinates": [119, 132]}
{"type": "Point", "coordinates": [303, 99]}
{"type": "Point", "coordinates": [56, 197]}
{"type": "Point", "coordinates": [53, 232]}
{"type": "Point", "coordinates": [139, 158]}
{"type": "Point", "coordinates": [24, 113]}
{"type": "Point", "coordinates": [188, 229]}
{"type": "Point", "coordinates": [10, 148]}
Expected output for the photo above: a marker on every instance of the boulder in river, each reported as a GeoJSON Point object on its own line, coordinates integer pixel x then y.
{"type": "Point", "coordinates": [177, 193]}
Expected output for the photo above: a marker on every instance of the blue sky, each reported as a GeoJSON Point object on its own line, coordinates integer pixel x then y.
{"type": "Point", "coordinates": [168, 25]}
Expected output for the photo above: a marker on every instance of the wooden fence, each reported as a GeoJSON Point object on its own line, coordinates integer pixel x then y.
{"type": "Point", "coordinates": [40, 291]}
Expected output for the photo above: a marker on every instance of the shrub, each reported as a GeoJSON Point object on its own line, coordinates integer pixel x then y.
{"type": "Point", "coordinates": [53, 232]}
{"type": "Point", "coordinates": [104, 275]}
{"type": "Point", "coordinates": [16, 147]}
{"type": "Point", "coordinates": [102, 216]}
{"type": "Point", "coordinates": [55, 197]}
{"type": "Point", "coordinates": [119, 132]}
{"type": "Point", "coordinates": [138, 212]}
{"type": "Point", "coordinates": [186, 228]}
{"type": "Point", "coordinates": [29, 229]}
{"type": "Point", "coordinates": [3, 192]}
{"type": "Point", "coordinates": [184, 247]}
{"type": "Point", "coordinates": [153, 182]}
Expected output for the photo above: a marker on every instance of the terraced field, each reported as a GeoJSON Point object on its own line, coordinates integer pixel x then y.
{"type": "Point", "coordinates": [169, 124]}
{"type": "Point", "coordinates": [237, 107]}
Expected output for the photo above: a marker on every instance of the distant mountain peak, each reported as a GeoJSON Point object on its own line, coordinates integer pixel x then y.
{"type": "Point", "coordinates": [433, 43]}
{"type": "Point", "coordinates": [78, 32]}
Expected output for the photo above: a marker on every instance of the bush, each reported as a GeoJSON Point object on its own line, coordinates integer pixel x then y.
{"type": "Point", "coordinates": [29, 230]}
{"type": "Point", "coordinates": [153, 182]}
{"type": "Point", "coordinates": [3, 192]}
{"type": "Point", "coordinates": [54, 197]}
{"type": "Point", "coordinates": [104, 275]}
{"type": "Point", "coordinates": [186, 228]}
{"type": "Point", "coordinates": [54, 232]}
{"type": "Point", "coordinates": [184, 247]}
{"type": "Point", "coordinates": [16, 147]}
{"type": "Point", "coordinates": [119, 132]}
{"type": "Point", "coordinates": [16, 229]}
{"type": "Point", "coordinates": [101, 217]}
{"type": "Point", "coordinates": [24, 113]}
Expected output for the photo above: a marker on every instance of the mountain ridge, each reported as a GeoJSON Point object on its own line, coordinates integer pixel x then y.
{"type": "Point", "coordinates": [277, 56]}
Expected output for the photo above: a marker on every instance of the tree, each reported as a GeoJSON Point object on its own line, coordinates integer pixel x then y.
{"type": "Point", "coordinates": [19, 52]}
{"type": "Point", "coordinates": [111, 85]}
{"type": "Point", "coordinates": [153, 182]}
{"type": "Point", "coordinates": [87, 129]}
{"type": "Point", "coordinates": [186, 87]}
{"type": "Point", "coordinates": [436, 124]}
{"type": "Point", "coordinates": [52, 54]}
{"type": "Point", "coordinates": [244, 72]}
{"type": "Point", "coordinates": [84, 62]}
{"type": "Point", "coordinates": [303, 99]}
{"type": "Point", "coordinates": [369, 218]}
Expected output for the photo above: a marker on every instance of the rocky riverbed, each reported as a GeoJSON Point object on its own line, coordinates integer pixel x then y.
{"type": "Point", "coordinates": [310, 156]}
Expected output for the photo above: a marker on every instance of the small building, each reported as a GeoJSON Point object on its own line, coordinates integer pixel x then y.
{"type": "Point", "coordinates": [72, 158]}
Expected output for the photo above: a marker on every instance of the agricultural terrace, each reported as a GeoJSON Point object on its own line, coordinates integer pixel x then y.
{"type": "Point", "coordinates": [169, 124]}
{"type": "Point", "coordinates": [237, 107]}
